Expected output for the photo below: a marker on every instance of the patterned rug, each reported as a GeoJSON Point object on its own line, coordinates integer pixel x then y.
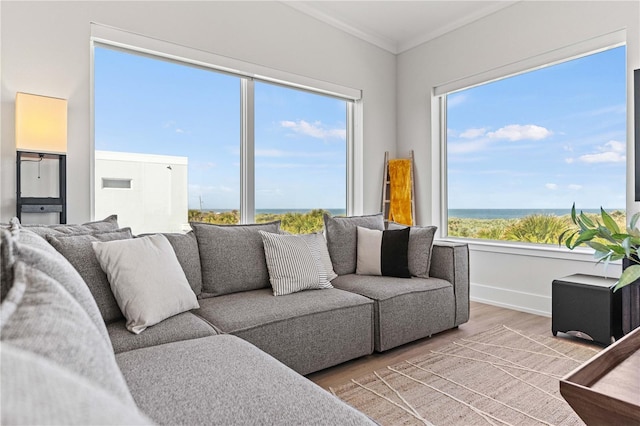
{"type": "Point", "coordinates": [501, 376]}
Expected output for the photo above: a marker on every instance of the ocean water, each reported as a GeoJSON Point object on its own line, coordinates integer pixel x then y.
{"type": "Point", "coordinates": [516, 213]}
{"type": "Point", "coordinates": [334, 212]}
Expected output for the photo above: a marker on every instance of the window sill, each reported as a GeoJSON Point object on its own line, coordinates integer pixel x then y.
{"type": "Point", "coordinates": [581, 254]}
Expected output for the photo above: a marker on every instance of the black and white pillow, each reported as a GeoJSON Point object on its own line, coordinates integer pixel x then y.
{"type": "Point", "coordinates": [383, 252]}
{"type": "Point", "coordinates": [296, 262]}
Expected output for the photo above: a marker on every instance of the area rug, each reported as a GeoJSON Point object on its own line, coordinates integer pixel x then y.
{"type": "Point", "coordinates": [501, 376]}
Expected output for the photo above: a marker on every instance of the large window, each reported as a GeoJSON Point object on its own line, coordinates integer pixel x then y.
{"type": "Point", "coordinates": [177, 143]}
{"type": "Point", "coordinates": [521, 150]}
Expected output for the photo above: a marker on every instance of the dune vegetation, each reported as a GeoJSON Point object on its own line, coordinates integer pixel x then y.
{"type": "Point", "coordinates": [536, 228]}
{"type": "Point", "coordinates": [295, 223]}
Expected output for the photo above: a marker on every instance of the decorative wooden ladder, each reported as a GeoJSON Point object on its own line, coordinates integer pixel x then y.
{"type": "Point", "coordinates": [386, 189]}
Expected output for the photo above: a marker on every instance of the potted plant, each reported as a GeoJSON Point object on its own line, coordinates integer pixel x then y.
{"type": "Point", "coordinates": [611, 244]}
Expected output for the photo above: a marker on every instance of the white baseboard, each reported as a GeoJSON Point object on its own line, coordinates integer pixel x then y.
{"type": "Point", "coordinates": [516, 300]}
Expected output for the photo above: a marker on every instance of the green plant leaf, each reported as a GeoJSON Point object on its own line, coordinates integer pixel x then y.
{"type": "Point", "coordinates": [609, 222]}
{"type": "Point", "coordinates": [573, 213]}
{"type": "Point", "coordinates": [585, 236]}
{"type": "Point", "coordinates": [629, 275]}
{"type": "Point", "coordinates": [634, 220]}
{"type": "Point", "coordinates": [599, 247]}
{"type": "Point", "coordinates": [585, 219]}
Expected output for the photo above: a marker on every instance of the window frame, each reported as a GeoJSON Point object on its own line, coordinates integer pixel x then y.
{"type": "Point", "coordinates": [439, 132]}
{"type": "Point", "coordinates": [128, 42]}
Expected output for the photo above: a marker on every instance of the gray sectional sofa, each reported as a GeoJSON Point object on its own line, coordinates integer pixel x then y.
{"type": "Point", "coordinates": [236, 359]}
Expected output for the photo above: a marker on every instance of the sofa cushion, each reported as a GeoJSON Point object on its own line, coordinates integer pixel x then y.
{"type": "Point", "coordinates": [36, 391]}
{"type": "Point", "coordinates": [420, 248]}
{"type": "Point", "coordinates": [405, 309]}
{"type": "Point", "coordinates": [146, 279]}
{"type": "Point", "coordinates": [232, 257]}
{"type": "Point", "coordinates": [183, 326]}
{"type": "Point", "coordinates": [105, 225]}
{"type": "Point", "coordinates": [79, 252]}
{"type": "Point", "coordinates": [308, 330]}
{"type": "Point", "coordinates": [342, 239]}
{"type": "Point", "coordinates": [243, 385]}
{"type": "Point", "coordinates": [383, 252]}
{"type": "Point", "coordinates": [6, 262]}
{"type": "Point", "coordinates": [186, 248]}
{"type": "Point", "coordinates": [39, 254]}
{"type": "Point", "coordinates": [294, 263]}
{"type": "Point", "coordinates": [40, 316]}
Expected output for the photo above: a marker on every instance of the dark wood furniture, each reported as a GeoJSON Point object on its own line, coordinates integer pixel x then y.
{"type": "Point", "coordinates": [586, 306]}
{"type": "Point", "coordinates": [42, 204]}
{"type": "Point", "coordinates": [606, 389]}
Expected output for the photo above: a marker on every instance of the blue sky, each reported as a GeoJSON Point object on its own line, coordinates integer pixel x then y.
{"type": "Point", "coordinates": [146, 105]}
{"type": "Point", "coordinates": [543, 139]}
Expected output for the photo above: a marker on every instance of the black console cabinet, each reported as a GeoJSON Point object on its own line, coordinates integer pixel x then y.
{"type": "Point", "coordinates": [586, 306]}
{"type": "Point", "coordinates": [42, 204]}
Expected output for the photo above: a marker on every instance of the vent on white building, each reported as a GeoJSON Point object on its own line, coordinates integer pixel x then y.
{"type": "Point", "coordinates": [116, 183]}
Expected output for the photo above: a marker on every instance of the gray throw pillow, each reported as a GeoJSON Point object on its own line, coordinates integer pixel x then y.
{"type": "Point", "coordinates": [420, 248]}
{"type": "Point", "coordinates": [37, 253]}
{"type": "Point", "coordinates": [107, 224]}
{"type": "Point", "coordinates": [39, 316]}
{"type": "Point", "coordinates": [342, 239]}
{"type": "Point", "coordinates": [36, 391]}
{"type": "Point", "coordinates": [79, 252]}
{"type": "Point", "coordinates": [232, 257]}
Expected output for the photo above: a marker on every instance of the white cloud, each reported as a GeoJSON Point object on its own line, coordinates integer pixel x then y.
{"type": "Point", "coordinates": [467, 147]}
{"type": "Point", "coordinates": [455, 100]}
{"type": "Point", "coordinates": [569, 160]}
{"type": "Point", "coordinates": [551, 186]}
{"type": "Point", "coordinates": [277, 153]}
{"type": "Point", "coordinates": [516, 132]}
{"type": "Point", "coordinates": [575, 187]}
{"type": "Point", "coordinates": [298, 166]}
{"type": "Point", "coordinates": [473, 133]}
{"type": "Point", "coordinates": [315, 129]}
{"type": "Point", "coordinates": [611, 152]}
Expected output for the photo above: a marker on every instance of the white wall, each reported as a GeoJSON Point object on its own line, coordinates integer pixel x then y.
{"type": "Point", "coordinates": [156, 197]}
{"type": "Point", "coordinates": [45, 50]}
{"type": "Point", "coordinates": [519, 278]}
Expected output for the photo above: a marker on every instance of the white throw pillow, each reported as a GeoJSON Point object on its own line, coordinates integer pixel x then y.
{"type": "Point", "coordinates": [295, 262]}
{"type": "Point", "coordinates": [146, 280]}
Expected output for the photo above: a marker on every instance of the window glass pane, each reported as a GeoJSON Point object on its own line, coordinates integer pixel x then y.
{"type": "Point", "coordinates": [173, 132]}
{"type": "Point", "coordinates": [300, 157]}
{"type": "Point", "coordinates": [522, 150]}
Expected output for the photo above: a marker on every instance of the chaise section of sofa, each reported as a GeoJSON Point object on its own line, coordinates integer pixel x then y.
{"type": "Point", "coordinates": [307, 331]}
{"type": "Point", "coordinates": [223, 380]}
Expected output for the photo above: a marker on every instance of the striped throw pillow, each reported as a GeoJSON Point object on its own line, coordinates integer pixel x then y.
{"type": "Point", "coordinates": [295, 262]}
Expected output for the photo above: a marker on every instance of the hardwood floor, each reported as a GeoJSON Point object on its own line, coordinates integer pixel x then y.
{"type": "Point", "coordinates": [482, 318]}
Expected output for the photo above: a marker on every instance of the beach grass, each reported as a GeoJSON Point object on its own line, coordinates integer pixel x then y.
{"type": "Point", "coordinates": [535, 228]}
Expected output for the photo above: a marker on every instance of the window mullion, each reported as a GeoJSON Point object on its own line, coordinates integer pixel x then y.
{"type": "Point", "coordinates": [247, 151]}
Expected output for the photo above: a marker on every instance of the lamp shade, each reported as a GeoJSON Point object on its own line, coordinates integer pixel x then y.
{"type": "Point", "coordinates": [41, 124]}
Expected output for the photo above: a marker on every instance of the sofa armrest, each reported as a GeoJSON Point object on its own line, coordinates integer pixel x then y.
{"type": "Point", "coordinates": [450, 261]}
